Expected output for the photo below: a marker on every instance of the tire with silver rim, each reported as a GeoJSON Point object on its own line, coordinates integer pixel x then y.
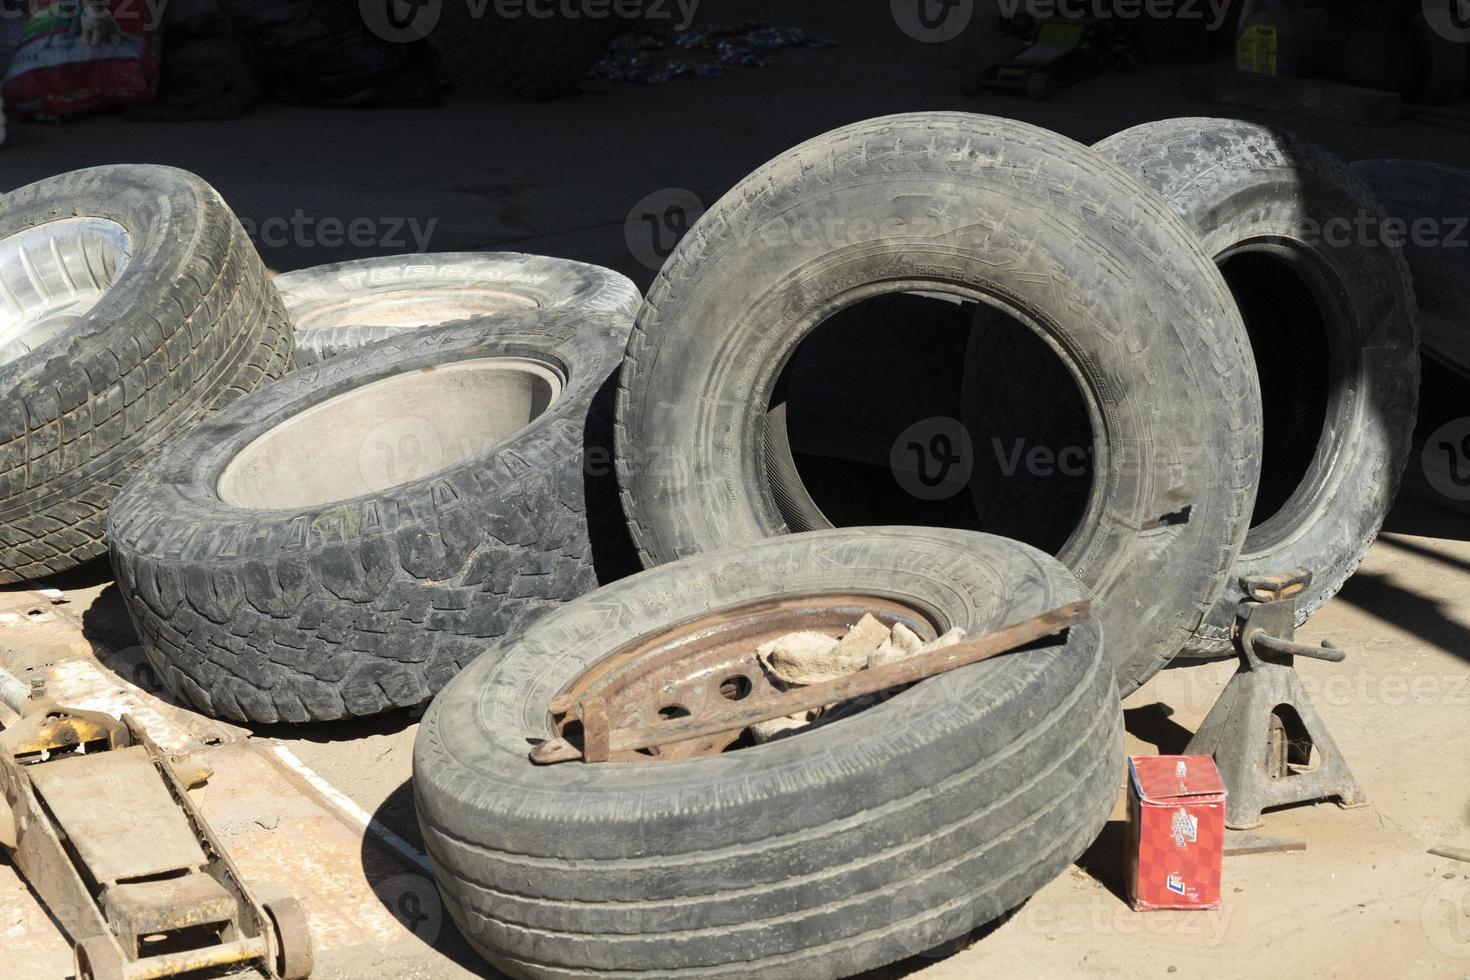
{"type": "Point", "coordinates": [348, 305]}
{"type": "Point", "coordinates": [131, 305]}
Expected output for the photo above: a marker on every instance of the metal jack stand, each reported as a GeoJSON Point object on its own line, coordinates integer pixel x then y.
{"type": "Point", "coordinates": [1263, 729]}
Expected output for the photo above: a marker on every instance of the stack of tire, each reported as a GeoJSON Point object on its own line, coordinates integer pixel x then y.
{"type": "Point", "coordinates": [471, 444]}
{"type": "Point", "coordinates": [1246, 391]}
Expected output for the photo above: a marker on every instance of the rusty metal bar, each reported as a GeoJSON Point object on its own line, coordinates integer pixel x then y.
{"type": "Point", "coordinates": [600, 742]}
{"type": "Point", "coordinates": [173, 964]}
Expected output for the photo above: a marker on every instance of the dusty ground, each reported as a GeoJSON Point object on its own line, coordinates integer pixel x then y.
{"type": "Point", "coordinates": [574, 178]}
{"type": "Point", "coordinates": [1364, 900]}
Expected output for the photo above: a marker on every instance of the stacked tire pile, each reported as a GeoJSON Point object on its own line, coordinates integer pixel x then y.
{"type": "Point", "coordinates": [1014, 372]}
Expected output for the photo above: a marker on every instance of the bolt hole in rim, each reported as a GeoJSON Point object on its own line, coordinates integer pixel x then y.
{"type": "Point", "coordinates": [792, 483]}
{"type": "Point", "coordinates": [52, 275]}
{"type": "Point", "coordinates": [413, 308]}
{"type": "Point", "coordinates": [390, 432]}
{"type": "Point", "coordinates": [692, 667]}
{"type": "Point", "coordinates": [1287, 298]}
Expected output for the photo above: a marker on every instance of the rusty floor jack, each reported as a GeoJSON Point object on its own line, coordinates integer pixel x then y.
{"type": "Point", "coordinates": [1268, 741]}
{"type": "Point", "coordinates": [98, 820]}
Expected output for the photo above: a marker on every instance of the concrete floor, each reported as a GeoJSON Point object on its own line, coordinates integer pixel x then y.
{"type": "Point", "coordinates": [568, 179]}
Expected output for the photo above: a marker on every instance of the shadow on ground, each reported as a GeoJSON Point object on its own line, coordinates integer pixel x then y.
{"type": "Point", "coordinates": [411, 895]}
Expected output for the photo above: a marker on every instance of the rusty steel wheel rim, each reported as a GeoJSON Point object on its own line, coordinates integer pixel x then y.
{"type": "Point", "coordinates": [709, 663]}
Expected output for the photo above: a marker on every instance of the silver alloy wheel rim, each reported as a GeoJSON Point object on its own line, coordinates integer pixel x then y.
{"type": "Point", "coordinates": [52, 275]}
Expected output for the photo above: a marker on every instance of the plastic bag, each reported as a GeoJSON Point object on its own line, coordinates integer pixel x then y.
{"type": "Point", "coordinates": [81, 55]}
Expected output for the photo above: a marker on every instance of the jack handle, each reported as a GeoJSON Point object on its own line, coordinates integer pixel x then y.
{"type": "Point", "coordinates": [1328, 651]}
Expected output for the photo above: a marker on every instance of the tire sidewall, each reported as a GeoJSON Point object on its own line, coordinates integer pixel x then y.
{"type": "Point", "coordinates": [718, 327]}
{"type": "Point", "coordinates": [1285, 191]}
{"type": "Point", "coordinates": [183, 481]}
{"type": "Point", "coordinates": [543, 282]}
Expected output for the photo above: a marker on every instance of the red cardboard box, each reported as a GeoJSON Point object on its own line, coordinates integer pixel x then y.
{"type": "Point", "coordinates": [1176, 832]}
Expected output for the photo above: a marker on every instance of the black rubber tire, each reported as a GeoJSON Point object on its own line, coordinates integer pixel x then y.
{"type": "Point", "coordinates": [1238, 185]}
{"type": "Point", "coordinates": [1236, 181]}
{"type": "Point", "coordinates": [348, 305]}
{"type": "Point", "coordinates": [354, 607]}
{"type": "Point", "coordinates": [1109, 273]}
{"type": "Point", "coordinates": [1413, 191]}
{"type": "Point", "coordinates": [534, 57]}
{"type": "Point", "coordinates": [191, 323]}
{"type": "Point", "coordinates": [822, 855]}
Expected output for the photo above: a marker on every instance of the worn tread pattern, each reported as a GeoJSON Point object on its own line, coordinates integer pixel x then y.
{"type": "Point", "coordinates": [358, 606]}
{"type": "Point", "coordinates": [1235, 182]}
{"type": "Point", "coordinates": [412, 286]}
{"type": "Point", "coordinates": [993, 206]}
{"type": "Point", "coordinates": [191, 324]}
{"type": "Point", "coordinates": [839, 850]}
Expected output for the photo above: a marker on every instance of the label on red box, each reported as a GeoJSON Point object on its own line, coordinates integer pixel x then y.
{"type": "Point", "coordinates": [1176, 832]}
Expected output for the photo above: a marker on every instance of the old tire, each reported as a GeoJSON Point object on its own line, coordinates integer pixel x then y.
{"type": "Point", "coordinates": [1334, 337]}
{"type": "Point", "coordinates": [353, 561]}
{"type": "Point", "coordinates": [1104, 271]}
{"type": "Point", "coordinates": [1333, 460]}
{"type": "Point", "coordinates": [347, 305]}
{"type": "Point", "coordinates": [843, 848]}
{"type": "Point", "coordinates": [135, 304]}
